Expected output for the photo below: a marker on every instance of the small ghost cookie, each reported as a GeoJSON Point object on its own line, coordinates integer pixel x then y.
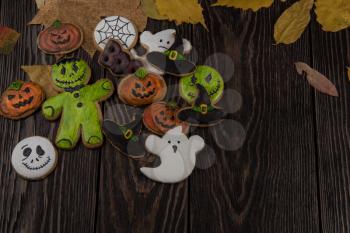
{"type": "Point", "coordinates": [172, 61]}
{"type": "Point", "coordinates": [207, 77]}
{"type": "Point", "coordinates": [60, 38]}
{"type": "Point", "coordinates": [161, 117]}
{"type": "Point", "coordinates": [159, 42]}
{"type": "Point", "coordinates": [202, 113]}
{"type": "Point", "coordinates": [21, 99]}
{"type": "Point", "coordinates": [177, 154]}
{"type": "Point", "coordinates": [126, 138]}
{"type": "Point", "coordinates": [117, 60]}
{"type": "Point", "coordinates": [34, 158]}
{"type": "Point", "coordinates": [118, 28]}
{"type": "Point", "coordinates": [142, 88]}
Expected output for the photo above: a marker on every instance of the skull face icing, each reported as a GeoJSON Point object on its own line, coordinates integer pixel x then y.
{"type": "Point", "coordinates": [70, 73]}
{"type": "Point", "coordinates": [205, 76]}
{"type": "Point", "coordinates": [34, 158]}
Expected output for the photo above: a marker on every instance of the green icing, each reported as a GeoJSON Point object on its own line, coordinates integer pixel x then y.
{"type": "Point", "coordinates": [70, 73]}
{"type": "Point", "coordinates": [179, 57]}
{"type": "Point", "coordinates": [79, 112]}
{"type": "Point", "coordinates": [199, 109]}
{"type": "Point", "coordinates": [15, 85]}
{"type": "Point", "coordinates": [206, 76]}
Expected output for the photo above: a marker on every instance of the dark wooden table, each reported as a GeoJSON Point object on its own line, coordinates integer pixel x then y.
{"type": "Point", "coordinates": [291, 175]}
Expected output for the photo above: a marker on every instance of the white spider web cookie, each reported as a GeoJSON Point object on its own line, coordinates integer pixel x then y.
{"type": "Point", "coordinates": [118, 28]}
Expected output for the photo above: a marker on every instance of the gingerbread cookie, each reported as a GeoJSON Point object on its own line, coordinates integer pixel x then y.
{"type": "Point", "coordinates": [60, 38]}
{"type": "Point", "coordinates": [21, 99]}
{"type": "Point", "coordinates": [161, 117]}
{"type": "Point", "coordinates": [172, 61]}
{"type": "Point", "coordinates": [34, 158]}
{"type": "Point", "coordinates": [142, 88]}
{"type": "Point", "coordinates": [126, 138]}
{"type": "Point", "coordinates": [78, 104]}
{"type": "Point", "coordinates": [117, 60]}
{"type": "Point", "coordinates": [207, 77]}
{"type": "Point", "coordinates": [177, 154]}
{"type": "Point", "coordinates": [202, 113]}
{"type": "Point", "coordinates": [158, 42]}
{"type": "Point", "coordinates": [118, 28]}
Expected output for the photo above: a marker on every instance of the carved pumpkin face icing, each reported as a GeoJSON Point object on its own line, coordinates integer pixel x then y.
{"type": "Point", "coordinates": [70, 73]}
{"type": "Point", "coordinates": [142, 88]}
{"type": "Point", "coordinates": [21, 99]}
{"type": "Point", "coordinates": [160, 117]}
{"type": "Point", "coordinates": [60, 38]}
{"type": "Point", "coordinates": [207, 77]}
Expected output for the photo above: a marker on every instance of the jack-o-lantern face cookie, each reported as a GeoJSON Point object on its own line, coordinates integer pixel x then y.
{"type": "Point", "coordinates": [118, 28]}
{"type": "Point", "coordinates": [34, 158]}
{"type": "Point", "coordinates": [161, 117]}
{"type": "Point", "coordinates": [117, 60]}
{"type": "Point", "coordinates": [207, 77]}
{"type": "Point", "coordinates": [21, 99]}
{"type": "Point", "coordinates": [60, 38]}
{"type": "Point", "coordinates": [142, 88]}
{"type": "Point", "coordinates": [70, 73]}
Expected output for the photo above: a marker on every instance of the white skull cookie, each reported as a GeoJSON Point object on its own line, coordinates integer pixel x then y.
{"type": "Point", "coordinates": [34, 158]}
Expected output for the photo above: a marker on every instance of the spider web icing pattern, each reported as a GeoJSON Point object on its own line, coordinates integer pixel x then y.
{"type": "Point", "coordinates": [117, 28]}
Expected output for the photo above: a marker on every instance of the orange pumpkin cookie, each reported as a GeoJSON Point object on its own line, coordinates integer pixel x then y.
{"type": "Point", "coordinates": [60, 38]}
{"type": "Point", "coordinates": [21, 99]}
{"type": "Point", "coordinates": [160, 117]}
{"type": "Point", "coordinates": [142, 88]}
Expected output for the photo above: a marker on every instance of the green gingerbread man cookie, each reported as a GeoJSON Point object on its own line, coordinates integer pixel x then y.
{"type": "Point", "coordinates": [207, 77]}
{"type": "Point", "coordinates": [77, 104]}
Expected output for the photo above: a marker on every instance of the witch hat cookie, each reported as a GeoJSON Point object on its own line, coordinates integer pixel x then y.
{"type": "Point", "coordinates": [125, 138]}
{"type": "Point", "coordinates": [172, 61]}
{"type": "Point", "coordinates": [202, 113]}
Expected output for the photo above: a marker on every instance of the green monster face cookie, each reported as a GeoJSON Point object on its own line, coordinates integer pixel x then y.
{"type": "Point", "coordinates": [70, 73]}
{"type": "Point", "coordinates": [207, 77]}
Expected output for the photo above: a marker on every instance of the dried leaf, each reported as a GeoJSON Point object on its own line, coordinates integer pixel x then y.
{"type": "Point", "coordinates": [349, 73]}
{"type": "Point", "coordinates": [333, 15]}
{"type": "Point", "coordinates": [87, 13]}
{"type": "Point", "coordinates": [150, 9]}
{"type": "Point", "coordinates": [316, 79]}
{"type": "Point", "coordinates": [40, 3]}
{"type": "Point", "coordinates": [8, 40]}
{"type": "Point", "coordinates": [245, 4]}
{"type": "Point", "coordinates": [292, 23]}
{"type": "Point", "coordinates": [41, 74]}
{"type": "Point", "coordinates": [181, 11]}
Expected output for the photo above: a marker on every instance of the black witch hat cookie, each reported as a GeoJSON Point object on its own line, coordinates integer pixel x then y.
{"type": "Point", "coordinates": [202, 113]}
{"type": "Point", "coordinates": [172, 61]}
{"type": "Point", "coordinates": [126, 138]}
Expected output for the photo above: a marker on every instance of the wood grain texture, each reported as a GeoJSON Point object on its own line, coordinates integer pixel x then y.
{"type": "Point", "coordinates": [128, 201]}
{"type": "Point", "coordinates": [66, 200]}
{"type": "Point", "coordinates": [269, 185]}
{"type": "Point", "coordinates": [331, 57]}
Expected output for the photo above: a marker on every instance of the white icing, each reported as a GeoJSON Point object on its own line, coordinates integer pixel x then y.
{"type": "Point", "coordinates": [118, 28]}
{"type": "Point", "coordinates": [158, 42]}
{"type": "Point", "coordinates": [177, 154]}
{"type": "Point", "coordinates": [34, 158]}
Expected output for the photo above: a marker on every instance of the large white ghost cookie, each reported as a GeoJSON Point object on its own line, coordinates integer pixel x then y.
{"type": "Point", "coordinates": [159, 42]}
{"type": "Point", "coordinates": [34, 158]}
{"type": "Point", "coordinates": [177, 154]}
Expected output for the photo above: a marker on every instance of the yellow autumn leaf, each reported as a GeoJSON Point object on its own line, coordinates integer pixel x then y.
{"type": "Point", "coordinates": [245, 4]}
{"type": "Point", "coordinates": [292, 23]}
{"type": "Point", "coordinates": [333, 15]}
{"type": "Point", "coordinates": [181, 11]}
{"type": "Point", "coordinates": [150, 9]}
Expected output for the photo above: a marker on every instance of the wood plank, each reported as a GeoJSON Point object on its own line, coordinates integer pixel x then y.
{"type": "Point", "coordinates": [129, 202]}
{"type": "Point", "coordinates": [66, 200]}
{"type": "Point", "coordinates": [269, 185]}
{"type": "Point", "coordinates": [331, 57]}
